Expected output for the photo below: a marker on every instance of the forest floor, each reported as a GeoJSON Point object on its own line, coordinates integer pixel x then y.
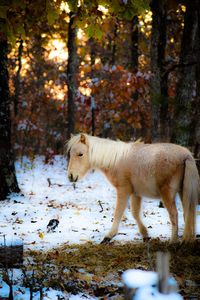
{"type": "Point", "coordinates": [70, 259]}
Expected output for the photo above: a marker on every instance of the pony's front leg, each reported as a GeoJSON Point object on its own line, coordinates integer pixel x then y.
{"type": "Point", "coordinates": [122, 199]}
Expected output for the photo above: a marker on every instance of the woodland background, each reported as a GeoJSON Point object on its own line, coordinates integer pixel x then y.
{"type": "Point", "coordinates": [118, 68]}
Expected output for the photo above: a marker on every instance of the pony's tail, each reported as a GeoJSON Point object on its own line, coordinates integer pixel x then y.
{"type": "Point", "coordinates": [190, 197]}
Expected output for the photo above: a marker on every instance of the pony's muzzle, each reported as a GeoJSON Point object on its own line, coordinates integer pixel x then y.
{"type": "Point", "coordinates": [72, 178]}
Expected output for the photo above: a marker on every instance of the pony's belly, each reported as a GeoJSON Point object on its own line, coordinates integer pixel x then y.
{"type": "Point", "coordinates": [144, 189]}
{"type": "Point", "coordinates": [147, 193]}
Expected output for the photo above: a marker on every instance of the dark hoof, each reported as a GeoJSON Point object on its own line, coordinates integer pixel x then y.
{"type": "Point", "coordinates": [106, 240]}
{"type": "Point", "coordinates": [146, 239]}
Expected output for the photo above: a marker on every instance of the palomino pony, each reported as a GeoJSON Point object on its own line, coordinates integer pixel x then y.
{"type": "Point", "coordinates": [136, 169]}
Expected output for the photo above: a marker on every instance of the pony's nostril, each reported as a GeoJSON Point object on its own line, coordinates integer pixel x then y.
{"type": "Point", "coordinates": [71, 177]}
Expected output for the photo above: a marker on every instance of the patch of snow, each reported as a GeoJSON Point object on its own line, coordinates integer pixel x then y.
{"type": "Point", "coordinates": [22, 293]}
{"type": "Point", "coordinates": [139, 278]}
{"type": "Point", "coordinates": [9, 241]}
{"type": "Point", "coordinates": [145, 285]}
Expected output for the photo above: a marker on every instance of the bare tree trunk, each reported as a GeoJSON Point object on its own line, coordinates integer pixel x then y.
{"type": "Point", "coordinates": [8, 181]}
{"type": "Point", "coordinates": [17, 78]}
{"type": "Point", "coordinates": [71, 74]}
{"type": "Point", "coordinates": [92, 46]}
{"type": "Point", "coordinates": [134, 44]}
{"type": "Point", "coordinates": [196, 119]}
{"type": "Point", "coordinates": [137, 132]}
{"type": "Point", "coordinates": [38, 53]}
{"type": "Point", "coordinates": [93, 105]}
{"type": "Point", "coordinates": [114, 46]}
{"type": "Point", "coordinates": [158, 43]}
{"type": "Point", "coordinates": [164, 107]}
{"type": "Point", "coordinates": [183, 106]}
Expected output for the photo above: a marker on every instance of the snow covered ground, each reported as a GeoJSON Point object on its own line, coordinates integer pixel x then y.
{"type": "Point", "coordinates": [84, 213]}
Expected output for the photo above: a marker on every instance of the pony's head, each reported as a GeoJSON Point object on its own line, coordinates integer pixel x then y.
{"type": "Point", "coordinates": [78, 155]}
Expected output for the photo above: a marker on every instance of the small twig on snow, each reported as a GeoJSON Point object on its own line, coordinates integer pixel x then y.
{"type": "Point", "coordinates": [49, 181]}
{"type": "Point", "coordinates": [100, 204]}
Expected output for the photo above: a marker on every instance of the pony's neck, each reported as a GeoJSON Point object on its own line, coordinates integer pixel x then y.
{"type": "Point", "coordinates": [106, 154]}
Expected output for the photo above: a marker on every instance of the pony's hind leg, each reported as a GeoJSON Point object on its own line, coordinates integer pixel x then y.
{"type": "Point", "coordinates": [135, 209]}
{"type": "Point", "coordinates": [122, 199]}
{"type": "Point", "coordinates": [168, 197]}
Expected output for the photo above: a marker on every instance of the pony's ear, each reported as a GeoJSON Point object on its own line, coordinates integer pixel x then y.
{"type": "Point", "coordinates": [71, 135]}
{"type": "Point", "coordinates": [83, 138]}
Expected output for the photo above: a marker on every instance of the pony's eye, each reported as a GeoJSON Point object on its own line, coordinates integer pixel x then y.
{"type": "Point", "coordinates": [80, 154]}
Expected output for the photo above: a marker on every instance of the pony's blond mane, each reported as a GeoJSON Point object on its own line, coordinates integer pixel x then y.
{"type": "Point", "coordinates": [103, 153]}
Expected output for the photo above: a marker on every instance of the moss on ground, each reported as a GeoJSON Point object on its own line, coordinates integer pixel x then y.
{"type": "Point", "coordinates": [97, 269]}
